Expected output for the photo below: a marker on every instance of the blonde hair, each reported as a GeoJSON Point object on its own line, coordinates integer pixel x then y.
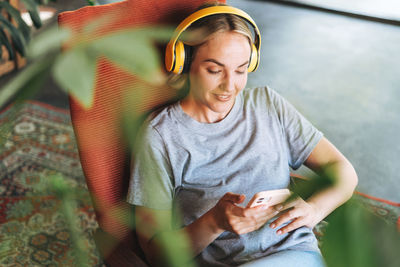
{"type": "Point", "coordinates": [200, 31]}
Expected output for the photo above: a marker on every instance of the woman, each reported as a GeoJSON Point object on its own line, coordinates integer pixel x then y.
{"type": "Point", "coordinates": [208, 154]}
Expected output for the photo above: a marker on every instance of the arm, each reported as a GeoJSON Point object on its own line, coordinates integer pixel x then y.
{"type": "Point", "coordinates": [155, 232]}
{"type": "Point", "coordinates": [152, 183]}
{"type": "Point", "coordinates": [318, 206]}
{"type": "Point", "coordinates": [331, 198]}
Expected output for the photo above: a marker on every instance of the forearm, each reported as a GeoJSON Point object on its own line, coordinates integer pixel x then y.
{"type": "Point", "coordinates": [203, 232]}
{"type": "Point", "coordinates": [191, 240]}
{"type": "Point", "coordinates": [331, 198]}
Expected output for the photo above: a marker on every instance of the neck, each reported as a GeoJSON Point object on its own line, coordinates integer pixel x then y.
{"type": "Point", "coordinates": [200, 112]}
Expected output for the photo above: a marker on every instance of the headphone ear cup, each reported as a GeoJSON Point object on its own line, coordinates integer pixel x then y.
{"type": "Point", "coordinates": [188, 58]}
{"type": "Point", "coordinates": [253, 59]}
{"type": "Point", "coordinates": [179, 57]}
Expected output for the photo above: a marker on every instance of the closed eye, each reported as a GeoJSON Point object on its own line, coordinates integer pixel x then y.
{"type": "Point", "coordinates": [213, 72]}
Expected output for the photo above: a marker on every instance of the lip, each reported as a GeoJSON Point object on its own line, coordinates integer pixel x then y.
{"type": "Point", "coordinates": [223, 98]}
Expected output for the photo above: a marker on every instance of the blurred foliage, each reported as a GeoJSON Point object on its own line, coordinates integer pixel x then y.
{"type": "Point", "coordinates": [5, 247]}
{"type": "Point", "coordinates": [68, 197]}
{"type": "Point", "coordinates": [19, 33]}
{"type": "Point", "coordinates": [304, 188]}
{"type": "Point", "coordinates": [354, 236]}
{"type": "Point", "coordinates": [74, 70]}
{"type": "Point", "coordinates": [357, 237]}
{"type": "Point", "coordinates": [92, 2]}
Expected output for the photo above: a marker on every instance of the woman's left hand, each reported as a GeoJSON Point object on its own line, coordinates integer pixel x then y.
{"type": "Point", "coordinates": [299, 212]}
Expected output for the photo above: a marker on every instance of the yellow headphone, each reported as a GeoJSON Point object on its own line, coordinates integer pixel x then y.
{"type": "Point", "coordinates": [177, 54]}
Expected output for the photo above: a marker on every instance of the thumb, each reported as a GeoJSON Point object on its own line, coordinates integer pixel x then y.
{"type": "Point", "coordinates": [234, 198]}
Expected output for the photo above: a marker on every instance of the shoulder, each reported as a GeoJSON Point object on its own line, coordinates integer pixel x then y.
{"type": "Point", "coordinates": [161, 118]}
{"type": "Point", "coordinates": [260, 96]}
{"type": "Point", "coordinates": [156, 123]}
{"type": "Point", "coordinates": [256, 93]}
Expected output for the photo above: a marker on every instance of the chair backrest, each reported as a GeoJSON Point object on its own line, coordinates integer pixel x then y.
{"type": "Point", "coordinates": [103, 150]}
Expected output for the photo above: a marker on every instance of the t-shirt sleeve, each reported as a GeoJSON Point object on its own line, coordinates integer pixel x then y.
{"type": "Point", "coordinates": [151, 183]}
{"type": "Point", "coordinates": [301, 136]}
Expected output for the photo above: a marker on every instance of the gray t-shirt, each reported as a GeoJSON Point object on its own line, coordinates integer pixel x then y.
{"type": "Point", "coordinates": [182, 164]}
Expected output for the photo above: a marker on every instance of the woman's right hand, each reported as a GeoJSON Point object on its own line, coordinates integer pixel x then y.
{"type": "Point", "coordinates": [228, 216]}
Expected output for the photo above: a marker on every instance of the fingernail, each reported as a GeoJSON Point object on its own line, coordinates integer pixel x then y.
{"type": "Point", "coordinates": [279, 232]}
{"type": "Point", "coordinates": [272, 225]}
{"type": "Point", "coordinates": [279, 207]}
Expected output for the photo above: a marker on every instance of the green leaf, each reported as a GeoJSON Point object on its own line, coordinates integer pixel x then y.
{"type": "Point", "coordinates": [386, 238]}
{"type": "Point", "coordinates": [75, 72]}
{"type": "Point", "coordinates": [16, 15]}
{"type": "Point", "coordinates": [16, 36]}
{"type": "Point", "coordinates": [157, 33]}
{"type": "Point", "coordinates": [34, 85]}
{"type": "Point", "coordinates": [92, 2]}
{"type": "Point", "coordinates": [68, 209]}
{"type": "Point", "coordinates": [349, 238]}
{"type": "Point", "coordinates": [43, 2]}
{"type": "Point", "coordinates": [48, 41]}
{"type": "Point", "coordinates": [134, 50]}
{"type": "Point", "coordinates": [132, 53]}
{"type": "Point", "coordinates": [98, 23]}
{"type": "Point", "coordinates": [25, 77]}
{"type": "Point", "coordinates": [6, 247]}
{"type": "Point", "coordinates": [324, 178]}
{"type": "Point", "coordinates": [4, 41]}
{"type": "Point", "coordinates": [32, 7]}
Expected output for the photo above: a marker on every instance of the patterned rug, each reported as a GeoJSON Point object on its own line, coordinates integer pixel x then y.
{"type": "Point", "coordinates": [37, 142]}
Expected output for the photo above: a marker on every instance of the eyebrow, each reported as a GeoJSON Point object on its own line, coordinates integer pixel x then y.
{"type": "Point", "coordinates": [222, 65]}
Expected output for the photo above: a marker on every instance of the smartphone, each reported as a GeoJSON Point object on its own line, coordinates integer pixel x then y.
{"type": "Point", "coordinates": [270, 198]}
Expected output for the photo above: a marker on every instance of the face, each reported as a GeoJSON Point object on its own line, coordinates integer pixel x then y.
{"type": "Point", "coordinates": [217, 75]}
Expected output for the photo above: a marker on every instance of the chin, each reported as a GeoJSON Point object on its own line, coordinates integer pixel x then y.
{"type": "Point", "coordinates": [222, 107]}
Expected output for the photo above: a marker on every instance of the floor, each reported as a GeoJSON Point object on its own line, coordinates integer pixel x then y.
{"type": "Point", "coordinates": [388, 9]}
{"type": "Point", "coordinates": [341, 73]}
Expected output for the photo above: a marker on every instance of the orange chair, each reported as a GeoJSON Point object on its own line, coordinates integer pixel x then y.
{"type": "Point", "coordinates": [103, 148]}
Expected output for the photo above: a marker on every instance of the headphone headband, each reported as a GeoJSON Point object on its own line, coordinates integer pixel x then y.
{"type": "Point", "coordinates": [170, 56]}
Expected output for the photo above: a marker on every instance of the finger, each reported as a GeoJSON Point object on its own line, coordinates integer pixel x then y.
{"type": "Point", "coordinates": [263, 218]}
{"type": "Point", "coordinates": [250, 219]}
{"type": "Point", "coordinates": [234, 198]}
{"type": "Point", "coordinates": [256, 211]}
{"type": "Point", "coordinates": [297, 223]}
{"type": "Point", "coordinates": [259, 218]}
{"type": "Point", "coordinates": [267, 212]}
{"type": "Point", "coordinates": [287, 216]}
{"type": "Point", "coordinates": [237, 210]}
{"type": "Point", "coordinates": [255, 221]}
{"type": "Point", "coordinates": [261, 208]}
{"type": "Point", "coordinates": [249, 225]}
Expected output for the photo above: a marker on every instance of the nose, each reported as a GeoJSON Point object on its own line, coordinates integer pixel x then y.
{"type": "Point", "coordinates": [228, 83]}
